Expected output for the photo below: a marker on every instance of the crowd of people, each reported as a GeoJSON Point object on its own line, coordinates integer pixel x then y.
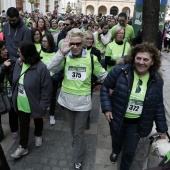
{"type": "Point", "coordinates": [41, 53]}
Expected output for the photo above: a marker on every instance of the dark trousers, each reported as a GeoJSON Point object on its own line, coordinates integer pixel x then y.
{"type": "Point", "coordinates": [3, 162]}
{"type": "Point", "coordinates": [24, 121]}
{"type": "Point", "coordinates": [53, 98]}
{"type": "Point", "coordinates": [13, 120]}
{"type": "Point", "coordinates": [127, 142]}
{"type": "Point", "coordinates": [1, 130]}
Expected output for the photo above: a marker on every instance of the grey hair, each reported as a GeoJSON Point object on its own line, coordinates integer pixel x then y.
{"type": "Point", "coordinates": [117, 29]}
{"type": "Point", "coordinates": [88, 32]}
{"type": "Point", "coordinates": [74, 32]}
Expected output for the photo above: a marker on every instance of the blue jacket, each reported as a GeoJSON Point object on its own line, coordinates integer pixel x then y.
{"type": "Point", "coordinates": [120, 79]}
{"type": "Point", "coordinates": [37, 85]}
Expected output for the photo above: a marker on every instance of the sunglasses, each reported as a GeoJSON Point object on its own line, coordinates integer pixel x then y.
{"type": "Point", "coordinates": [138, 88]}
{"type": "Point", "coordinates": [77, 44]}
{"type": "Point", "coordinates": [66, 24]}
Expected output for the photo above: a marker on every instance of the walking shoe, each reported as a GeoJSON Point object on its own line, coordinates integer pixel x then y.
{"type": "Point", "coordinates": [19, 152]}
{"type": "Point", "coordinates": [78, 166]}
{"type": "Point", "coordinates": [72, 144]}
{"type": "Point", "coordinates": [38, 141]}
{"type": "Point", "coordinates": [113, 157]}
{"type": "Point", "coordinates": [52, 120]}
{"type": "Point", "coordinates": [14, 135]}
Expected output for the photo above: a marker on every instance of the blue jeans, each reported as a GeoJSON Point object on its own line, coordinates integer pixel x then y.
{"type": "Point", "coordinates": [127, 142]}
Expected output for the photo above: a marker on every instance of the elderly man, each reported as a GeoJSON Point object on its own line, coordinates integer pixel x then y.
{"type": "Point", "coordinates": [75, 95]}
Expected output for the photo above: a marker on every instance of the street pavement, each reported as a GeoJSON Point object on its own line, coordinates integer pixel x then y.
{"type": "Point", "coordinates": [55, 153]}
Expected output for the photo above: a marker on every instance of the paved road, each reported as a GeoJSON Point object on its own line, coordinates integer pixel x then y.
{"type": "Point", "coordinates": [55, 154]}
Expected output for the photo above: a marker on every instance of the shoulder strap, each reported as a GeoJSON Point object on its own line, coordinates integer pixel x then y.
{"type": "Point", "coordinates": [92, 64]}
{"type": "Point", "coordinates": [123, 49]}
{"type": "Point", "coordinates": [19, 78]}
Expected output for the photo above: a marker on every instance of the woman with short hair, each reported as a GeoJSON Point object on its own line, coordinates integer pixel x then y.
{"type": "Point", "coordinates": [116, 49]}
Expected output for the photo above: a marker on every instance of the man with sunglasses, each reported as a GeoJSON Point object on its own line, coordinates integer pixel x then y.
{"type": "Point", "coordinates": [68, 25]}
{"type": "Point", "coordinates": [75, 94]}
{"type": "Point", "coordinates": [15, 31]}
{"type": "Point", "coordinates": [129, 31]}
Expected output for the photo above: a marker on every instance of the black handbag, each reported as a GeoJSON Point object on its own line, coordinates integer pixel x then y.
{"type": "Point", "coordinates": [5, 103]}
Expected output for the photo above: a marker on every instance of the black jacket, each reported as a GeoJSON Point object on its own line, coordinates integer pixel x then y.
{"type": "Point", "coordinates": [5, 71]}
{"type": "Point", "coordinates": [120, 79]}
{"type": "Point", "coordinates": [96, 52]}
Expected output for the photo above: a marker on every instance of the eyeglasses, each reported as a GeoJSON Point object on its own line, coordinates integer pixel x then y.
{"type": "Point", "coordinates": [89, 39]}
{"type": "Point", "coordinates": [77, 44]}
{"type": "Point", "coordinates": [66, 24]}
{"type": "Point", "coordinates": [44, 42]}
{"type": "Point", "coordinates": [138, 88]}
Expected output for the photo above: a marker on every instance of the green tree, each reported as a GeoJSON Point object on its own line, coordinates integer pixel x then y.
{"type": "Point", "coordinates": [68, 9]}
{"type": "Point", "coordinates": [31, 2]}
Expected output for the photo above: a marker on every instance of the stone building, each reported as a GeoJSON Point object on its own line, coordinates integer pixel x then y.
{"type": "Point", "coordinates": [107, 7]}
{"type": "Point", "coordinates": [24, 5]}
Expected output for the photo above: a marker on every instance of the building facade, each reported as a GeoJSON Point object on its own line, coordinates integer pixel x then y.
{"type": "Point", "coordinates": [42, 5]}
{"type": "Point", "coordinates": [108, 7]}
{"type": "Point", "coordinates": [75, 5]}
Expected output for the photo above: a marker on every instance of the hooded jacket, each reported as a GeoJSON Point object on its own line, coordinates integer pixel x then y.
{"type": "Point", "coordinates": [120, 79]}
{"type": "Point", "coordinates": [13, 36]}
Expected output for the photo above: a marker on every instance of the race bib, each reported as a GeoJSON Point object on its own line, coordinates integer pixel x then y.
{"type": "Point", "coordinates": [76, 73]}
{"type": "Point", "coordinates": [135, 107]}
{"type": "Point", "coordinates": [21, 91]}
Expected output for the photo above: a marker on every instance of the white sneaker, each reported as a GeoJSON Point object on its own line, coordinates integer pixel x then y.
{"type": "Point", "coordinates": [38, 141]}
{"type": "Point", "coordinates": [19, 152]}
{"type": "Point", "coordinates": [52, 120]}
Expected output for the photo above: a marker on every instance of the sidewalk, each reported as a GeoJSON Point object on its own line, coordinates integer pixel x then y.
{"type": "Point", "coordinates": [55, 153]}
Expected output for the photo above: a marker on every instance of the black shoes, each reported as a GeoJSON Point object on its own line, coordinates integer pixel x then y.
{"type": "Point", "coordinates": [113, 157]}
{"type": "Point", "coordinates": [78, 166]}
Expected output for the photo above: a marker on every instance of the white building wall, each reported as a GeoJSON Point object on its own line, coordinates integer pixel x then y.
{"type": "Point", "coordinates": [73, 3]}
{"type": "Point", "coordinates": [5, 4]}
{"type": "Point", "coordinates": [26, 6]}
{"type": "Point", "coordinates": [51, 9]}
{"type": "Point", "coordinates": [42, 6]}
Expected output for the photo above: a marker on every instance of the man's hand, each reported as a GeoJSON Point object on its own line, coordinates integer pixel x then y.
{"type": "Point", "coordinates": [108, 116]}
{"type": "Point", "coordinates": [65, 46]}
